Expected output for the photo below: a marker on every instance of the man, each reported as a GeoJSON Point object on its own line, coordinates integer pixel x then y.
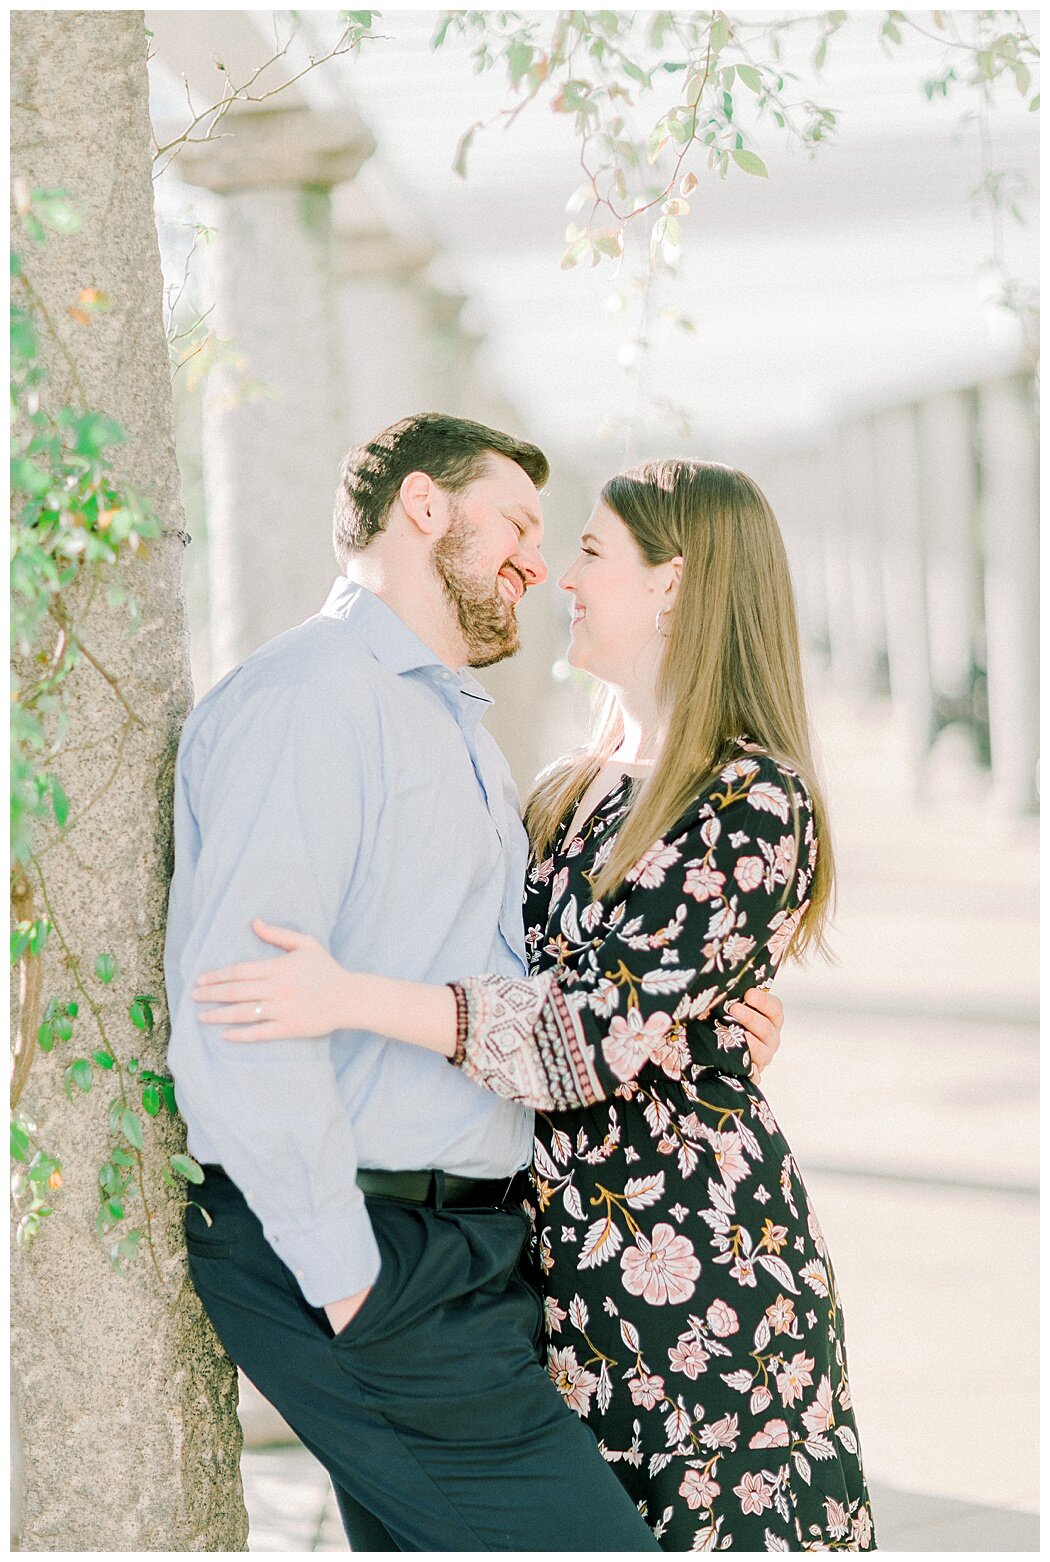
{"type": "Point", "coordinates": [358, 1259]}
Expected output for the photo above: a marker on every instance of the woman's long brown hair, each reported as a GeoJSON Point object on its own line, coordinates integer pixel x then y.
{"type": "Point", "coordinates": [731, 667]}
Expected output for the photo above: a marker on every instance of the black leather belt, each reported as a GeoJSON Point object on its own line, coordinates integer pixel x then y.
{"type": "Point", "coordinates": [435, 1188]}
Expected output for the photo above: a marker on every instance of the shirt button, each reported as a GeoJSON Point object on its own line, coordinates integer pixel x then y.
{"type": "Point", "coordinates": [299, 1274]}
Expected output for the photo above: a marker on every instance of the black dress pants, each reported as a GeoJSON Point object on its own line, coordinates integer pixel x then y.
{"type": "Point", "coordinates": [431, 1410]}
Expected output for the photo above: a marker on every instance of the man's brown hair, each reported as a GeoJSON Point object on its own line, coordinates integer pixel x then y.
{"type": "Point", "coordinates": [450, 450]}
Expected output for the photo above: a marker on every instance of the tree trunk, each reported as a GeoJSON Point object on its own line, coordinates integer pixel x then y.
{"type": "Point", "coordinates": [127, 1405]}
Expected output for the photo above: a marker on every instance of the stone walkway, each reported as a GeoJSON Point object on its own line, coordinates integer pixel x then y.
{"type": "Point", "coordinates": [907, 1086]}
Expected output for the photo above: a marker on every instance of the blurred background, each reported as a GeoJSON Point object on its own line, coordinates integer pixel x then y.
{"type": "Point", "coordinates": [846, 343]}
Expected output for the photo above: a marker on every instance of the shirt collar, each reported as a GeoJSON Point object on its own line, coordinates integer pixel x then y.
{"type": "Point", "coordinates": [390, 640]}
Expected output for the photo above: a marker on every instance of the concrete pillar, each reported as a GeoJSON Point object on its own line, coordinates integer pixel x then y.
{"type": "Point", "coordinates": [902, 554]}
{"type": "Point", "coordinates": [383, 327]}
{"type": "Point", "coordinates": [1010, 526]}
{"type": "Point", "coordinates": [948, 476]}
{"type": "Point", "coordinates": [787, 483]}
{"type": "Point", "coordinates": [271, 455]}
{"type": "Point", "coordinates": [857, 479]}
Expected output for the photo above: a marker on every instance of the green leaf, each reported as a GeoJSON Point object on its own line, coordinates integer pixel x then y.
{"type": "Point", "coordinates": [62, 1026]}
{"type": "Point", "coordinates": [137, 1012]}
{"type": "Point", "coordinates": [1034, 105]}
{"type": "Point", "coordinates": [890, 30]}
{"type": "Point", "coordinates": [19, 1143]}
{"type": "Point", "coordinates": [186, 1167]}
{"type": "Point", "coordinates": [519, 58]}
{"type": "Point", "coordinates": [95, 431]}
{"type": "Point", "coordinates": [56, 210]}
{"type": "Point", "coordinates": [46, 1037]}
{"type": "Point", "coordinates": [635, 72]}
{"type": "Point", "coordinates": [109, 1178]}
{"type": "Point", "coordinates": [103, 1058]}
{"type": "Point", "coordinates": [60, 802]}
{"type": "Point", "coordinates": [719, 35]}
{"type": "Point", "coordinates": [131, 1127]}
{"type": "Point", "coordinates": [39, 935]}
{"type": "Point", "coordinates": [20, 941]}
{"type": "Point", "coordinates": [459, 166]}
{"type": "Point", "coordinates": [79, 1073]}
{"type": "Point", "coordinates": [362, 18]}
{"type": "Point", "coordinates": [750, 77]}
{"type": "Point", "coordinates": [151, 1100]}
{"type": "Point", "coordinates": [751, 163]}
{"type": "Point", "coordinates": [105, 969]}
{"type": "Point", "coordinates": [28, 478]}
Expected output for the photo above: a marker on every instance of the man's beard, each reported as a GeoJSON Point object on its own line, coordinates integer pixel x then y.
{"type": "Point", "coordinates": [486, 620]}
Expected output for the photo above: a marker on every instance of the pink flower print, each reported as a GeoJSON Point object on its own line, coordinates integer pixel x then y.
{"type": "Point", "coordinates": [722, 1320]}
{"type": "Point", "coordinates": [662, 1270]}
{"type": "Point", "coordinates": [821, 1414]}
{"type": "Point", "coordinates": [743, 1271]}
{"type": "Point", "coordinates": [651, 869]}
{"type": "Point", "coordinates": [553, 1315]}
{"type": "Point", "coordinates": [573, 1382]}
{"type": "Point", "coordinates": [722, 1433]}
{"type": "Point", "coordinates": [647, 1390]}
{"type": "Point", "coordinates": [698, 1489]}
{"type": "Point", "coordinates": [688, 1357]}
{"type": "Point", "coordinates": [784, 859]}
{"type": "Point", "coordinates": [861, 1536]}
{"type": "Point", "coordinates": [736, 949]}
{"type": "Point", "coordinates": [558, 888]}
{"type": "Point", "coordinates": [781, 1315]}
{"type": "Point", "coordinates": [754, 1494]}
{"type": "Point", "coordinates": [749, 872]}
{"type": "Point", "coordinates": [794, 1376]}
{"type": "Point", "coordinates": [703, 881]}
{"type": "Point", "coordinates": [729, 1156]}
{"type": "Point", "coordinates": [783, 928]}
{"type": "Point", "coordinates": [774, 1434]}
{"type": "Point", "coordinates": [631, 1043]}
{"type": "Point", "coordinates": [670, 1052]}
{"type": "Point", "coordinates": [837, 1518]}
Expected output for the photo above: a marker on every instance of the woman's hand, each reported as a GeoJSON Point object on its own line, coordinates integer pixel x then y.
{"type": "Point", "coordinates": [762, 1016]}
{"type": "Point", "coordinates": [302, 993]}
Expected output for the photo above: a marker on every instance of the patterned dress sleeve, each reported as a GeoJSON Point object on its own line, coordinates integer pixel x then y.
{"type": "Point", "coordinates": [705, 914]}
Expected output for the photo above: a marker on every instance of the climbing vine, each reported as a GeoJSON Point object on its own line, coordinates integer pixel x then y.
{"type": "Point", "coordinates": [73, 526]}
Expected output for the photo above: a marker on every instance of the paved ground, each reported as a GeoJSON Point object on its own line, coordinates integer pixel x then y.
{"type": "Point", "coordinates": [908, 1089]}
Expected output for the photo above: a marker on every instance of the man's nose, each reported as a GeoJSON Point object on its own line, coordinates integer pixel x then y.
{"type": "Point", "coordinates": [533, 566]}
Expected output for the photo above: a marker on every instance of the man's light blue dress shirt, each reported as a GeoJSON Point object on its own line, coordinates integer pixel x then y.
{"type": "Point", "coordinates": [338, 782]}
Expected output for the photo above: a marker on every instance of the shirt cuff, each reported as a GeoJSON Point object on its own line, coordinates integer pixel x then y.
{"type": "Point", "coordinates": [331, 1260]}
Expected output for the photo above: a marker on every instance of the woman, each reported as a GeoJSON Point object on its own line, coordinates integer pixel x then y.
{"type": "Point", "coordinates": [689, 1298]}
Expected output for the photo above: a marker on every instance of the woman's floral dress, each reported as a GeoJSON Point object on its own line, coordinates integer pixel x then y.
{"type": "Point", "coordinates": [690, 1303]}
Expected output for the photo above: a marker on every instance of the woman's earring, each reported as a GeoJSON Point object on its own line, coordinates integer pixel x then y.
{"type": "Point", "coordinates": [659, 628]}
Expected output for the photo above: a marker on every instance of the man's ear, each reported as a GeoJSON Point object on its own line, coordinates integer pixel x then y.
{"type": "Point", "coordinates": [421, 500]}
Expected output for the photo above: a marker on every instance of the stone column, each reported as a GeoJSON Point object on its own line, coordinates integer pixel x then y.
{"type": "Point", "coordinates": [948, 475]}
{"type": "Point", "coordinates": [899, 509]}
{"type": "Point", "coordinates": [273, 433]}
{"type": "Point", "coordinates": [383, 328]}
{"type": "Point", "coordinates": [857, 479]}
{"type": "Point", "coordinates": [1010, 524]}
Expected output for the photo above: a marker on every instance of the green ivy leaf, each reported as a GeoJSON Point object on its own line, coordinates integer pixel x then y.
{"type": "Point", "coordinates": [19, 1143]}
{"type": "Point", "coordinates": [45, 1037]}
{"type": "Point", "coordinates": [103, 1058]}
{"type": "Point", "coordinates": [151, 1100]}
{"type": "Point", "coordinates": [751, 163]}
{"type": "Point", "coordinates": [187, 1167]}
{"type": "Point", "coordinates": [750, 77]}
{"type": "Point", "coordinates": [105, 969]}
{"type": "Point", "coordinates": [60, 802]}
{"type": "Point", "coordinates": [62, 1026]}
{"type": "Point", "coordinates": [29, 478]}
{"type": "Point", "coordinates": [131, 1127]}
